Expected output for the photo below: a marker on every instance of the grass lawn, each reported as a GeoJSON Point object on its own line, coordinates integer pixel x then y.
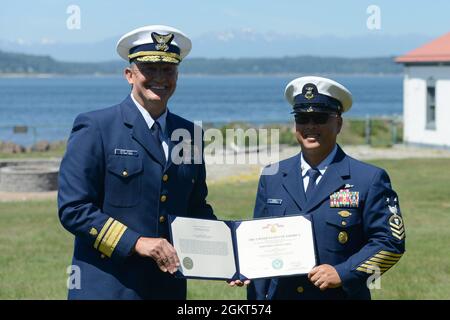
{"type": "Point", "coordinates": [35, 250]}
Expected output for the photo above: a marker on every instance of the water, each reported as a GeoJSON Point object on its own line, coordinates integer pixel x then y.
{"type": "Point", "coordinates": [49, 105]}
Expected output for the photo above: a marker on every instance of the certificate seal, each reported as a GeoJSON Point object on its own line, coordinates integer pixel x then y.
{"type": "Point", "coordinates": [188, 263]}
{"type": "Point", "coordinates": [277, 264]}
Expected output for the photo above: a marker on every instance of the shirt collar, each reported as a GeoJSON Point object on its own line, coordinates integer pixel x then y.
{"type": "Point", "coordinates": [148, 118]}
{"type": "Point", "coordinates": [322, 166]}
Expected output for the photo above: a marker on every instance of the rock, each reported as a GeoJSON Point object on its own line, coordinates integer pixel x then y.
{"type": "Point", "coordinates": [11, 147]}
{"type": "Point", "coordinates": [41, 146]}
{"type": "Point", "coordinates": [57, 145]}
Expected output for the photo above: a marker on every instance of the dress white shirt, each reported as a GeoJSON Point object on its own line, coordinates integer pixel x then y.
{"type": "Point", "coordinates": [150, 121]}
{"type": "Point", "coordinates": [322, 167]}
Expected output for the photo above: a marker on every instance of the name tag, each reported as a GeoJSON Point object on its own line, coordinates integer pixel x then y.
{"type": "Point", "coordinates": [274, 201]}
{"type": "Point", "coordinates": [124, 152]}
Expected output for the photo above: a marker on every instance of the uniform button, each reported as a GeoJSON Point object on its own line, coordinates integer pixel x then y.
{"type": "Point", "coordinates": [300, 289]}
{"type": "Point", "coordinates": [342, 237]}
{"type": "Point", "coordinates": [163, 198]}
{"type": "Point", "coordinates": [125, 173]}
{"type": "Point", "coordinates": [162, 219]}
{"type": "Point", "coordinates": [165, 177]}
{"type": "Point", "coordinates": [93, 232]}
{"type": "Point", "coordinates": [344, 223]}
{"type": "Point", "coordinates": [102, 256]}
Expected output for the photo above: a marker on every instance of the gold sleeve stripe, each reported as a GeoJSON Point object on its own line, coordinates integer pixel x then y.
{"type": "Point", "coordinates": [380, 256]}
{"type": "Point", "coordinates": [368, 266]}
{"type": "Point", "coordinates": [383, 261]}
{"type": "Point", "coordinates": [102, 232]}
{"type": "Point", "coordinates": [112, 237]}
{"type": "Point", "coordinates": [106, 239]}
{"type": "Point", "coordinates": [378, 264]}
{"type": "Point", "coordinates": [369, 271]}
{"type": "Point", "coordinates": [387, 253]}
{"type": "Point", "coordinates": [363, 270]}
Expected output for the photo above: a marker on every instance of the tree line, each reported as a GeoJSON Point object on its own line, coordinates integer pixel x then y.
{"type": "Point", "coordinates": [34, 64]}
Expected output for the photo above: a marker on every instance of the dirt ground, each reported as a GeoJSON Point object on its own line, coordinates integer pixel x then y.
{"type": "Point", "coordinates": [239, 168]}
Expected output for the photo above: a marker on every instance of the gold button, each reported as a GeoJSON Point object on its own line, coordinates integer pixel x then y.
{"type": "Point", "coordinates": [102, 256]}
{"type": "Point", "coordinates": [165, 177]}
{"type": "Point", "coordinates": [162, 219]}
{"type": "Point", "coordinates": [344, 223]}
{"type": "Point", "coordinates": [343, 237]}
{"type": "Point", "coordinates": [163, 198]}
{"type": "Point", "coordinates": [125, 173]}
{"type": "Point", "coordinates": [93, 232]}
{"type": "Point", "coordinates": [300, 289]}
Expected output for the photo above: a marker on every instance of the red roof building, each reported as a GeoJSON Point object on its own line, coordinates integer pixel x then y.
{"type": "Point", "coordinates": [426, 94]}
{"type": "Point", "coordinates": [436, 51]}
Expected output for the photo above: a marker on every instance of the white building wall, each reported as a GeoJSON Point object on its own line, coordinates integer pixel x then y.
{"type": "Point", "coordinates": [415, 103]}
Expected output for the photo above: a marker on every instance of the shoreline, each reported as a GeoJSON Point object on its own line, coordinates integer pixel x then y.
{"type": "Point", "coordinates": [194, 75]}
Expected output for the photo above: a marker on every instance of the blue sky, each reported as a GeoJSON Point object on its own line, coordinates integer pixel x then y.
{"type": "Point", "coordinates": [100, 19]}
{"type": "Point", "coordinates": [225, 28]}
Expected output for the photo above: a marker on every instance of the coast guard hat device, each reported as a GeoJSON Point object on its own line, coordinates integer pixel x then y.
{"type": "Point", "coordinates": [317, 94]}
{"type": "Point", "coordinates": [155, 43]}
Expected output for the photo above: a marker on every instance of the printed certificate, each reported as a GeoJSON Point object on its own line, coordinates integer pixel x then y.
{"type": "Point", "coordinates": [251, 249]}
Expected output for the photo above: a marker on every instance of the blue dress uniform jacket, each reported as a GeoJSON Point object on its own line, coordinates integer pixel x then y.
{"type": "Point", "coordinates": [352, 209]}
{"type": "Point", "coordinates": [114, 187]}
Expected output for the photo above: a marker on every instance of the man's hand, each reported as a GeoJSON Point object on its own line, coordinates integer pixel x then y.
{"type": "Point", "coordinates": [160, 250]}
{"type": "Point", "coordinates": [324, 277]}
{"type": "Point", "coordinates": [238, 283]}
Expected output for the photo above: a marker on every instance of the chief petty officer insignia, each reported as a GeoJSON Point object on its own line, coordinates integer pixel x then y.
{"type": "Point", "coordinates": [395, 221]}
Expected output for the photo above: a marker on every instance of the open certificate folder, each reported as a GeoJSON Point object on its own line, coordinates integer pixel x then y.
{"type": "Point", "coordinates": [260, 248]}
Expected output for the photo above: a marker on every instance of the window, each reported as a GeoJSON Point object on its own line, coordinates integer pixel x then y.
{"type": "Point", "coordinates": [431, 105]}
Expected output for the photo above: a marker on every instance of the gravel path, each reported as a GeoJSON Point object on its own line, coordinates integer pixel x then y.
{"type": "Point", "coordinates": [240, 172]}
{"type": "Point", "coordinates": [217, 173]}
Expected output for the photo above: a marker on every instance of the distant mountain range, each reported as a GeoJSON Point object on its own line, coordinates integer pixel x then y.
{"type": "Point", "coordinates": [15, 63]}
{"type": "Point", "coordinates": [244, 43]}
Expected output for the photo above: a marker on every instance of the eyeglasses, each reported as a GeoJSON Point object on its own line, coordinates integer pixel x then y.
{"type": "Point", "coordinates": [316, 117]}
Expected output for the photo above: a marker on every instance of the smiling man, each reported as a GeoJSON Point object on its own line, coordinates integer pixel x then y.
{"type": "Point", "coordinates": [357, 224]}
{"type": "Point", "coordinates": [118, 182]}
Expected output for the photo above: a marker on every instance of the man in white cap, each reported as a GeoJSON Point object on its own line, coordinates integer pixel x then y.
{"type": "Point", "coordinates": [357, 224]}
{"type": "Point", "coordinates": [118, 182]}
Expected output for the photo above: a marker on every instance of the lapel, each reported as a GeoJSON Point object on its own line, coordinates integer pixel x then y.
{"type": "Point", "coordinates": [331, 181]}
{"type": "Point", "coordinates": [140, 131]}
{"type": "Point", "coordinates": [293, 183]}
{"type": "Point", "coordinates": [170, 127]}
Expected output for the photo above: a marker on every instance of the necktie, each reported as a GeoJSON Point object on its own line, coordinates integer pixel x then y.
{"type": "Point", "coordinates": [313, 174]}
{"type": "Point", "coordinates": [156, 133]}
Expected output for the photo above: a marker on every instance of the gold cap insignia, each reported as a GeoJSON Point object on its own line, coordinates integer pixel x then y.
{"type": "Point", "coordinates": [162, 41]}
{"type": "Point", "coordinates": [309, 93]}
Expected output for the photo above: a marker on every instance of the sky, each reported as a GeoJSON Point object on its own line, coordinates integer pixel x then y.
{"type": "Point", "coordinates": [46, 21]}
